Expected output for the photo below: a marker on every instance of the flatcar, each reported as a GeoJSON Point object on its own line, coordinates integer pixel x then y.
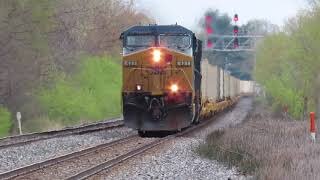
{"type": "Point", "coordinates": [163, 82]}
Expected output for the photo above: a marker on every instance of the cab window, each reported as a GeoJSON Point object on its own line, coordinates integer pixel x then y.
{"type": "Point", "coordinates": [179, 42]}
{"type": "Point", "coordinates": [140, 41]}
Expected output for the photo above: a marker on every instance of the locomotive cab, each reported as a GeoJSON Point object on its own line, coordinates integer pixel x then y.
{"type": "Point", "coordinates": [161, 78]}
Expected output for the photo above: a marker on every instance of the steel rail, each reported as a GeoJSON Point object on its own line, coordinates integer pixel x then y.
{"type": "Point", "coordinates": [111, 163]}
{"type": "Point", "coordinates": [20, 140]}
{"type": "Point", "coordinates": [106, 165]}
{"type": "Point", "coordinates": [37, 166]}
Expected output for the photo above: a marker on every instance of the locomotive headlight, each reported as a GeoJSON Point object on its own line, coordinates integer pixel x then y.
{"type": "Point", "coordinates": [156, 55]}
{"type": "Point", "coordinates": [139, 87]}
{"type": "Point", "coordinates": [174, 88]}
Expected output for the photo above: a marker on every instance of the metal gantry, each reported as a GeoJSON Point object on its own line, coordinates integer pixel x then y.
{"type": "Point", "coordinates": [225, 43]}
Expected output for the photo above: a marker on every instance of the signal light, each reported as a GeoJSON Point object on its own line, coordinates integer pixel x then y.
{"type": "Point", "coordinates": [236, 18]}
{"type": "Point", "coordinates": [209, 30]}
{"type": "Point", "coordinates": [209, 44]}
{"type": "Point", "coordinates": [156, 55]}
{"type": "Point", "coordinates": [174, 88]}
{"type": "Point", "coordinates": [236, 30]}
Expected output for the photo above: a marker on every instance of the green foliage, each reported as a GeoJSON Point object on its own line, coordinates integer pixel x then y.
{"type": "Point", "coordinates": [93, 93]}
{"type": "Point", "coordinates": [288, 63]}
{"type": "Point", "coordinates": [5, 122]}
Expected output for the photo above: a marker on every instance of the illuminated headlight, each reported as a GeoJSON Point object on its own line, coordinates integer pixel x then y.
{"type": "Point", "coordinates": [139, 87]}
{"type": "Point", "coordinates": [174, 88]}
{"type": "Point", "coordinates": [156, 56]}
{"type": "Point", "coordinates": [130, 63]}
{"type": "Point", "coordinates": [184, 63]}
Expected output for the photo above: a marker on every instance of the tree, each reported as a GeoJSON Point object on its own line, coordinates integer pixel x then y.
{"type": "Point", "coordinates": [23, 37]}
{"type": "Point", "coordinates": [40, 38]}
{"type": "Point", "coordinates": [288, 64]}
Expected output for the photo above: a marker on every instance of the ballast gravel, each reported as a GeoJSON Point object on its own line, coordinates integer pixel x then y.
{"type": "Point", "coordinates": [17, 157]}
{"type": "Point", "coordinates": [178, 159]}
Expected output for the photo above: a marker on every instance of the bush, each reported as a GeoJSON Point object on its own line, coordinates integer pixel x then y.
{"type": "Point", "coordinates": [233, 154]}
{"type": "Point", "coordinates": [5, 122]}
{"type": "Point", "coordinates": [93, 93]}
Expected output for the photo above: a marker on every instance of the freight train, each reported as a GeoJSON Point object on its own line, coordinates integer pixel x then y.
{"type": "Point", "coordinates": [166, 84]}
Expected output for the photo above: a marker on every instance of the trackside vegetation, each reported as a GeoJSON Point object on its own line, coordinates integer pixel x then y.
{"type": "Point", "coordinates": [233, 154]}
{"type": "Point", "coordinates": [265, 146]}
{"type": "Point", "coordinates": [5, 122]}
{"type": "Point", "coordinates": [41, 75]}
{"type": "Point", "coordinates": [288, 64]}
{"type": "Point", "coordinates": [92, 93]}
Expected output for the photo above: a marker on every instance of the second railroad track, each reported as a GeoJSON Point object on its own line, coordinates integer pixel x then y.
{"type": "Point", "coordinates": [33, 137]}
{"type": "Point", "coordinates": [90, 162]}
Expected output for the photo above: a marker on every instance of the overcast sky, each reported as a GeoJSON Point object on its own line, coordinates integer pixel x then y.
{"type": "Point", "coordinates": [188, 12]}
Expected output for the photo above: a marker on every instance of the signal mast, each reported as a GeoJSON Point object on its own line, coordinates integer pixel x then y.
{"type": "Point", "coordinates": [229, 43]}
{"type": "Point", "coordinates": [209, 30]}
{"type": "Point", "coordinates": [236, 31]}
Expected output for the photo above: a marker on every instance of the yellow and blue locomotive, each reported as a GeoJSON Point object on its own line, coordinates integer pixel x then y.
{"type": "Point", "coordinates": [161, 78]}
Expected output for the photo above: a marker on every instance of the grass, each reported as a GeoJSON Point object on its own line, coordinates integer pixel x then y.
{"type": "Point", "coordinates": [229, 154]}
{"type": "Point", "coordinates": [266, 147]}
{"type": "Point", "coordinates": [91, 94]}
{"type": "Point", "coordinates": [42, 124]}
{"type": "Point", "coordinates": [5, 122]}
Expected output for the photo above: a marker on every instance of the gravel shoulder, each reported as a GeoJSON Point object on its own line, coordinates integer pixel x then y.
{"type": "Point", "coordinates": [177, 159]}
{"type": "Point", "coordinates": [17, 157]}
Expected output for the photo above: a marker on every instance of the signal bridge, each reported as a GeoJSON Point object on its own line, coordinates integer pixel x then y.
{"type": "Point", "coordinates": [233, 43]}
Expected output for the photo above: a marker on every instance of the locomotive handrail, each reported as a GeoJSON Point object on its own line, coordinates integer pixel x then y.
{"type": "Point", "coordinates": [168, 69]}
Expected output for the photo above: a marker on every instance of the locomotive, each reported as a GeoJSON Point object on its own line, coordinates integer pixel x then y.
{"type": "Point", "coordinates": [162, 78]}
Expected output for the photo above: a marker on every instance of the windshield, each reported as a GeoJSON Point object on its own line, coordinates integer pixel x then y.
{"type": "Point", "coordinates": [175, 41]}
{"type": "Point", "coordinates": [140, 41]}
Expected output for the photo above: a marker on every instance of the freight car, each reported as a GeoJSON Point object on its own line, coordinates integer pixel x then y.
{"type": "Point", "coordinates": [219, 89]}
{"type": "Point", "coordinates": [164, 88]}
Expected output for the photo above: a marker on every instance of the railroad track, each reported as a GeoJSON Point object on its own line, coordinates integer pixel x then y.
{"type": "Point", "coordinates": [90, 162]}
{"type": "Point", "coordinates": [107, 165]}
{"type": "Point", "coordinates": [53, 166]}
{"type": "Point", "coordinates": [33, 137]}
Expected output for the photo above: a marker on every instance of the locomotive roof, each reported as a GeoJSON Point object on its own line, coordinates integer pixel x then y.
{"type": "Point", "coordinates": [156, 30]}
